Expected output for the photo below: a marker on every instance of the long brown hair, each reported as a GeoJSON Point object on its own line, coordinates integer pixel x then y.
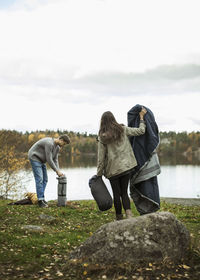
{"type": "Point", "coordinates": [110, 126]}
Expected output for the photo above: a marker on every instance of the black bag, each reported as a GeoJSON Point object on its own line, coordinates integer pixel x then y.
{"type": "Point", "coordinates": [100, 193]}
{"type": "Point", "coordinates": [25, 201]}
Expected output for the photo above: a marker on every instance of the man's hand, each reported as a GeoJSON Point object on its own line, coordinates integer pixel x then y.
{"type": "Point", "coordinates": [59, 173]}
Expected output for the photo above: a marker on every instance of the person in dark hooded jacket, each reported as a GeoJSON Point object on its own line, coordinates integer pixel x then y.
{"type": "Point", "coordinates": [116, 159]}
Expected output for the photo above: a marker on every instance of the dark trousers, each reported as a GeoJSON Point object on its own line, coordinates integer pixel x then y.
{"type": "Point", "coordinates": [120, 187]}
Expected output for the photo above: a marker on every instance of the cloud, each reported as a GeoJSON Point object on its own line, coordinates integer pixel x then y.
{"type": "Point", "coordinates": [101, 35]}
{"type": "Point", "coordinates": [25, 4]}
{"type": "Point", "coordinates": [196, 121]}
{"type": "Point", "coordinates": [69, 57]}
{"type": "Point", "coordinates": [165, 79]}
{"type": "Point", "coordinates": [60, 82]}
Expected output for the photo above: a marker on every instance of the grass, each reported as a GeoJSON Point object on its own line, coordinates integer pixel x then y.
{"type": "Point", "coordinates": [45, 255]}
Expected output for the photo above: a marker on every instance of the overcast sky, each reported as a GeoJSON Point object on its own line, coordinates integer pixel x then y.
{"type": "Point", "coordinates": [64, 62]}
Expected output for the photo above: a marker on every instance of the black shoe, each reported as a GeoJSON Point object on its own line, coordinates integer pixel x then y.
{"type": "Point", "coordinates": [45, 202]}
{"type": "Point", "coordinates": [42, 204]}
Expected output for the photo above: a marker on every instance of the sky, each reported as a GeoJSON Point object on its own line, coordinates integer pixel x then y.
{"type": "Point", "coordinates": [65, 62]}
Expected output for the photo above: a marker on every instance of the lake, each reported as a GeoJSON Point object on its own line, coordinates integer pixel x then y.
{"type": "Point", "coordinates": [179, 181]}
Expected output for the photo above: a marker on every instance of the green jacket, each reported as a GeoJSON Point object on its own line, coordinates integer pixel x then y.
{"type": "Point", "coordinates": [117, 157]}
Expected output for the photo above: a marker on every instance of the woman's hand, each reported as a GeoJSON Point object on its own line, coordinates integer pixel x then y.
{"type": "Point", "coordinates": [142, 113]}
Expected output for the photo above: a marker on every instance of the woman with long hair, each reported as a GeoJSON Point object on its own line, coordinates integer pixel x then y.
{"type": "Point", "coordinates": [116, 159]}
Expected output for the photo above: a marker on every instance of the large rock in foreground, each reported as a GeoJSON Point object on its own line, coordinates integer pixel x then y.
{"type": "Point", "coordinates": [152, 237]}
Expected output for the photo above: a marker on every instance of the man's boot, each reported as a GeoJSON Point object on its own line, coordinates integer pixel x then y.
{"type": "Point", "coordinates": [129, 214]}
{"type": "Point", "coordinates": [42, 204]}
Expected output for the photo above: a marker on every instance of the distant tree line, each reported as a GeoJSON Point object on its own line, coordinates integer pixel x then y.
{"type": "Point", "coordinates": [171, 143]}
{"type": "Point", "coordinates": [83, 143]}
{"type": "Point", "coordinates": [181, 145]}
{"type": "Point", "coordinates": [80, 142]}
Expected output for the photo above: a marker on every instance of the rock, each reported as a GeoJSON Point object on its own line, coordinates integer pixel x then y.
{"type": "Point", "coordinates": [33, 228]}
{"type": "Point", "coordinates": [46, 217]}
{"type": "Point", "coordinates": [152, 237]}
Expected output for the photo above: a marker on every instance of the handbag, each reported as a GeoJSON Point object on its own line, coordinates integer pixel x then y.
{"type": "Point", "coordinates": [100, 193]}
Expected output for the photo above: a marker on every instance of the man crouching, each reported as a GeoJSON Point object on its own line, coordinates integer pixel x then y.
{"type": "Point", "coordinates": [45, 150]}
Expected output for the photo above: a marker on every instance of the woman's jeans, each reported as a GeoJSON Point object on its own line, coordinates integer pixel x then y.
{"type": "Point", "coordinates": [120, 187]}
{"type": "Point", "coordinates": [40, 175]}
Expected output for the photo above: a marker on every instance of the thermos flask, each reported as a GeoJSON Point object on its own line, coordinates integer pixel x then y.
{"type": "Point", "coordinates": [62, 189]}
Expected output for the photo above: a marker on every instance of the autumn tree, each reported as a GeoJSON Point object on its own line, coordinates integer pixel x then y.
{"type": "Point", "coordinates": [11, 162]}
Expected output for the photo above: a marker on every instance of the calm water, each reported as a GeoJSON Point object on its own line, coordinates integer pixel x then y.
{"type": "Point", "coordinates": [182, 181]}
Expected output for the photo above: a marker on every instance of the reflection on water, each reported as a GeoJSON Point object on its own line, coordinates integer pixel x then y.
{"type": "Point", "coordinates": [180, 160]}
{"type": "Point", "coordinates": [78, 161]}
{"type": "Point", "coordinates": [77, 183]}
{"type": "Point", "coordinates": [180, 180]}
{"type": "Point", "coordinates": [91, 160]}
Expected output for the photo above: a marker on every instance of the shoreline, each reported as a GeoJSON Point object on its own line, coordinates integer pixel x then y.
{"type": "Point", "coordinates": [182, 201]}
{"type": "Point", "coordinates": [171, 200]}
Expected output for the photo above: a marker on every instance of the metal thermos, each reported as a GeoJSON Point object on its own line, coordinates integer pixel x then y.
{"type": "Point", "coordinates": [62, 189]}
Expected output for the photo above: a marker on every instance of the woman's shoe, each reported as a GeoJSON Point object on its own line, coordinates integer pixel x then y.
{"type": "Point", "coordinates": [129, 214]}
{"type": "Point", "coordinates": [119, 217]}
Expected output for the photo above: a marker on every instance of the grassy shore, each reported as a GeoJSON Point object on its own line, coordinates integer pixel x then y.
{"type": "Point", "coordinates": [45, 254]}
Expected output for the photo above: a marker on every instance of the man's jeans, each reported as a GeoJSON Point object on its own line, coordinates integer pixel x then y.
{"type": "Point", "coordinates": [40, 175]}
